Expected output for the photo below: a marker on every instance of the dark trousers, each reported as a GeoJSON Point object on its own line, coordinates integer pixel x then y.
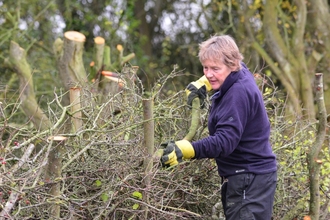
{"type": "Point", "coordinates": [248, 196]}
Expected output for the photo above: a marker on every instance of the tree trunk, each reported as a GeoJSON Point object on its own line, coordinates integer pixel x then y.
{"type": "Point", "coordinates": [313, 160]}
{"type": "Point", "coordinates": [70, 62]}
{"type": "Point", "coordinates": [145, 30]}
{"type": "Point", "coordinates": [29, 104]}
{"type": "Point", "coordinates": [320, 27]}
{"type": "Point", "coordinates": [72, 70]}
{"type": "Point", "coordinates": [290, 56]}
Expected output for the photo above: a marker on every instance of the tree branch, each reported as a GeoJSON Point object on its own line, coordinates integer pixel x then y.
{"type": "Point", "coordinates": [313, 160]}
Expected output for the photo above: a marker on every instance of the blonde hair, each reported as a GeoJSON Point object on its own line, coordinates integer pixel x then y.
{"type": "Point", "coordinates": [221, 48]}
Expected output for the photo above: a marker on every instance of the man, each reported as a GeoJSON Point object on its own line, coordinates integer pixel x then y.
{"type": "Point", "coordinates": [239, 131]}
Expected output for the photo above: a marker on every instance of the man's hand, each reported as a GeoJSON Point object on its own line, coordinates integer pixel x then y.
{"type": "Point", "coordinates": [198, 89]}
{"type": "Point", "coordinates": [175, 152]}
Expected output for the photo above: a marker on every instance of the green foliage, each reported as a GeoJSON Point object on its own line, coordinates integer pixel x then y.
{"type": "Point", "coordinates": [104, 197]}
{"type": "Point", "coordinates": [135, 206]}
{"type": "Point", "coordinates": [137, 195]}
{"type": "Point", "coordinates": [98, 183]}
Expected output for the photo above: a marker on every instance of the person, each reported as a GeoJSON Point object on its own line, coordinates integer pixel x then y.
{"type": "Point", "coordinates": [239, 131]}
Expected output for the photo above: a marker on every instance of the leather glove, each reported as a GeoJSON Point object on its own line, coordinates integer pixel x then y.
{"type": "Point", "coordinates": [175, 152]}
{"type": "Point", "coordinates": [198, 89]}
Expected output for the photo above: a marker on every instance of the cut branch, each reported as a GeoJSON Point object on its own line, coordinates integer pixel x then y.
{"type": "Point", "coordinates": [195, 118]}
{"type": "Point", "coordinates": [69, 59]}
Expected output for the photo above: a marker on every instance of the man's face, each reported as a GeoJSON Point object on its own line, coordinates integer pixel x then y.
{"type": "Point", "coordinates": [216, 73]}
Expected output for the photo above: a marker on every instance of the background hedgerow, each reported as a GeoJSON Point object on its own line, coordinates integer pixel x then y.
{"type": "Point", "coordinates": [103, 164]}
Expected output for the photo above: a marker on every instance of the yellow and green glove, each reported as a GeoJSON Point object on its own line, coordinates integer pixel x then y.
{"type": "Point", "coordinates": [176, 152]}
{"type": "Point", "coordinates": [198, 88]}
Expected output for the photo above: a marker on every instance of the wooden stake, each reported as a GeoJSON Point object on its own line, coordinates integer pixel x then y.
{"type": "Point", "coordinates": [98, 59]}
{"type": "Point", "coordinates": [55, 169]}
{"type": "Point", "coordinates": [76, 108]}
{"type": "Point", "coordinates": [149, 143]}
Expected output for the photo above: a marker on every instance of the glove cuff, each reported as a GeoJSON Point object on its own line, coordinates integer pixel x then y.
{"type": "Point", "coordinates": [204, 81]}
{"type": "Point", "coordinates": [186, 148]}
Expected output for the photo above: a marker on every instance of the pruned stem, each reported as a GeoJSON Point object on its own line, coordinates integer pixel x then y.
{"type": "Point", "coordinates": [195, 118]}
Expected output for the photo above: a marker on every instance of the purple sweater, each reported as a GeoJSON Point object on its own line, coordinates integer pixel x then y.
{"type": "Point", "coordinates": [239, 128]}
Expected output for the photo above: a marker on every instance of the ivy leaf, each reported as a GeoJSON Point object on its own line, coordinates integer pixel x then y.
{"type": "Point", "coordinates": [104, 197]}
{"type": "Point", "coordinates": [98, 183]}
{"type": "Point", "coordinates": [135, 206]}
{"type": "Point", "coordinates": [137, 195]}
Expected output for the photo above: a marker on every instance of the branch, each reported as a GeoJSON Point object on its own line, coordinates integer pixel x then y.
{"type": "Point", "coordinates": [293, 97]}
{"type": "Point", "coordinates": [69, 59]}
{"type": "Point", "coordinates": [314, 163]}
{"type": "Point", "coordinates": [5, 213]}
{"type": "Point", "coordinates": [299, 30]}
{"type": "Point", "coordinates": [195, 117]}
{"type": "Point", "coordinates": [27, 96]}
{"type": "Point", "coordinates": [77, 155]}
{"type": "Point", "coordinates": [276, 44]}
{"type": "Point", "coordinates": [322, 115]}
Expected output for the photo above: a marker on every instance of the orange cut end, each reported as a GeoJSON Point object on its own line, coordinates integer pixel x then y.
{"type": "Point", "coordinates": [109, 73]}
{"type": "Point", "coordinates": [120, 47]}
{"type": "Point", "coordinates": [99, 40]}
{"type": "Point", "coordinates": [318, 161]}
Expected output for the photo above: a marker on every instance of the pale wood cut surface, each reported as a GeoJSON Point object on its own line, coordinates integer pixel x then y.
{"type": "Point", "coordinates": [99, 40]}
{"type": "Point", "coordinates": [75, 36]}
